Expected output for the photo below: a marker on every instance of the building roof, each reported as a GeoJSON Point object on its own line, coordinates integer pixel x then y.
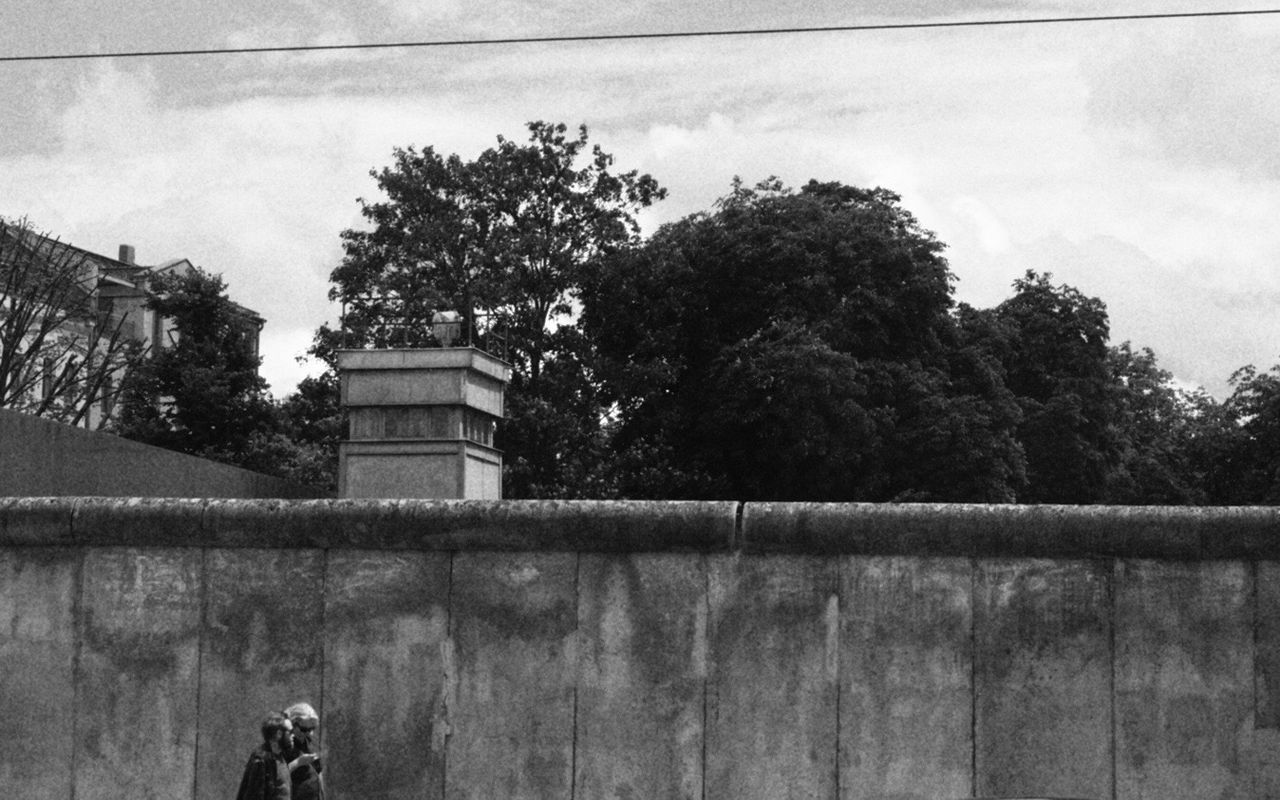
{"type": "Point", "coordinates": [56, 249]}
{"type": "Point", "coordinates": [109, 270]}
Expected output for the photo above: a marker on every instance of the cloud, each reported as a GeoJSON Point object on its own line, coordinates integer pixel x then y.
{"type": "Point", "coordinates": [1197, 94]}
{"type": "Point", "coordinates": [251, 190]}
{"type": "Point", "coordinates": [1007, 142]}
{"type": "Point", "coordinates": [257, 189]}
{"type": "Point", "coordinates": [991, 232]}
{"type": "Point", "coordinates": [1200, 329]}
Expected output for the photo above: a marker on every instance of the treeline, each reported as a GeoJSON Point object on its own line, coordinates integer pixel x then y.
{"type": "Point", "coordinates": [788, 344]}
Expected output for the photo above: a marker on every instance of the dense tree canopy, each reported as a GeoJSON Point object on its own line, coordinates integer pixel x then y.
{"type": "Point", "coordinates": [200, 392]}
{"type": "Point", "coordinates": [786, 344]}
{"type": "Point", "coordinates": [799, 345]}
{"type": "Point", "coordinates": [503, 240]}
{"type": "Point", "coordinates": [1241, 453]}
{"type": "Point", "coordinates": [1160, 429]}
{"type": "Point", "coordinates": [1052, 343]}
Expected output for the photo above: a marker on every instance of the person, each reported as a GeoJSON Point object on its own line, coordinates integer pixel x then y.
{"type": "Point", "coordinates": [266, 776]}
{"type": "Point", "coordinates": [304, 762]}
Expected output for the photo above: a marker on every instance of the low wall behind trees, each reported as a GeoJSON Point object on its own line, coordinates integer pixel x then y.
{"type": "Point", "coordinates": [466, 649]}
{"type": "Point", "coordinates": [42, 458]}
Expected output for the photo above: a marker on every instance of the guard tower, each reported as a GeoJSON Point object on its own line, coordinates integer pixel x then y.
{"type": "Point", "coordinates": [421, 423]}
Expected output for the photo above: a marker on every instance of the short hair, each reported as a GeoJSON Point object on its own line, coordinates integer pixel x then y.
{"type": "Point", "coordinates": [273, 723]}
{"type": "Point", "coordinates": [299, 711]}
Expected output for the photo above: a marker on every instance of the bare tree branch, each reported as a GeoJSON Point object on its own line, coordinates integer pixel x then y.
{"type": "Point", "coordinates": [61, 350]}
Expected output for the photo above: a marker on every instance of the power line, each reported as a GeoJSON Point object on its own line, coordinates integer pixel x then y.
{"type": "Point", "coordinates": [614, 37]}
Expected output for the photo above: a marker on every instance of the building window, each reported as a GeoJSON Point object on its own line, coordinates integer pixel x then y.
{"type": "Point", "coordinates": [478, 427]}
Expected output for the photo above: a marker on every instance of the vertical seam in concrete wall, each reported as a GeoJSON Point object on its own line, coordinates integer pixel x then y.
{"type": "Point", "coordinates": [77, 647]}
{"type": "Point", "coordinates": [841, 566]}
{"type": "Point", "coordinates": [1255, 773]}
{"type": "Point", "coordinates": [735, 542]}
{"type": "Point", "coordinates": [324, 632]}
{"type": "Point", "coordinates": [973, 677]}
{"type": "Point", "coordinates": [706, 665]}
{"type": "Point", "coordinates": [204, 610]}
{"type": "Point", "coordinates": [71, 522]}
{"type": "Point", "coordinates": [1113, 615]}
{"type": "Point", "coordinates": [1256, 614]}
{"type": "Point", "coordinates": [200, 642]}
{"type": "Point", "coordinates": [577, 672]}
{"type": "Point", "coordinates": [448, 681]}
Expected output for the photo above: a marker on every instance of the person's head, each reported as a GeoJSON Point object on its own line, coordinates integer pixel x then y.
{"type": "Point", "coordinates": [304, 717]}
{"type": "Point", "coordinates": [275, 727]}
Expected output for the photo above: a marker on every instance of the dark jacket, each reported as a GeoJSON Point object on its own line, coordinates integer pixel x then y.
{"type": "Point", "coordinates": [305, 779]}
{"type": "Point", "coordinates": [266, 777]}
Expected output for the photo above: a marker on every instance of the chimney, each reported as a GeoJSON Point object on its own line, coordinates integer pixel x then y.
{"type": "Point", "coordinates": [126, 254]}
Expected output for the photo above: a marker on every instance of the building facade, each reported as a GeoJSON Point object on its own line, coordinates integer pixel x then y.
{"type": "Point", "coordinates": [62, 307]}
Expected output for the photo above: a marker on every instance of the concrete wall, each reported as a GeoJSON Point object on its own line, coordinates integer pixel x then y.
{"type": "Point", "coordinates": [40, 458]}
{"type": "Point", "coordinates": [642, 650]}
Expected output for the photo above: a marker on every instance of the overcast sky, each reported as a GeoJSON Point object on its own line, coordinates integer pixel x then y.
{"type": "Point", "coordinates": [1138, 161]}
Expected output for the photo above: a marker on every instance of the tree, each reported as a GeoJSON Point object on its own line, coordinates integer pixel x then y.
{"type": "Point", "coordinates": [554, 437]}
{"type": "Point", "coordinates": [502, 240]}
{"type": "Point", "coordinates": [311, 420]}
{"type": "Point", "coordinates": [62, 350]}
{"type": "Point", "coordinates": [1052, 343]}
{"type": "Point", "coordinates": [790, 415]}
{"type": "Point", "coordinates": [1241, 457]}
{"type": "Point", "coordinates": [1160, 427]}
{"type": "Point", "coordinates": [202, 394]}
{"type": "Point", "coordinates": [798, 345]}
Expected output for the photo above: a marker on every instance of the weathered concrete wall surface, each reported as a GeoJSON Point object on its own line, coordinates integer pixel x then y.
{"type": "Point", "coordinates": [39, 458]}
{"type": "Point", "coordinates": [642, 650]}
